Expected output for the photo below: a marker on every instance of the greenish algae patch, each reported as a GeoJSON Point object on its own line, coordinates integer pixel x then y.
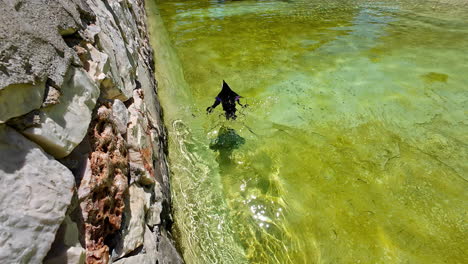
{"type": "Point", "coordinates": [435, 77]}
{"type": "Point", "coordinates": [347, 153]}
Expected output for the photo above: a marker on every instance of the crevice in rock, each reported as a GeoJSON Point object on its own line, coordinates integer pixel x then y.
{"type": "Point", "coordinates": [27, 67]}
{"type": "Point", "coordinates": [26, 121]}
{"type": "Point", "coordinates": [18, 5]}
{"type": "Point", "coordinates": [135, 252]}
{"type": "Point", "coordinates": [60, 52]}
{"type": "Point", "coordinates": [166, 215]}
{"type": "Point", "coordinates": [4, 70]}
{"type": "Point", "coordinates": [112, 240]}
{"type": "Point", "coordinates": [72, 40]}
{"type": "Point", "coordinates": [137, 84]}
{"type": "Point", "coordinates": [86, 15]}
{"type": "Point", "coordinates": [129, 102]}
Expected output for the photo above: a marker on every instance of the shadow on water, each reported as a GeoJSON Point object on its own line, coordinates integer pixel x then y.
{"type": "Point", "coordinates": [227, 141]}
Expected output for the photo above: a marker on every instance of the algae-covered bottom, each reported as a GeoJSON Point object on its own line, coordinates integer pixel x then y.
{"type": "Point", "coordinates": [353, 148]}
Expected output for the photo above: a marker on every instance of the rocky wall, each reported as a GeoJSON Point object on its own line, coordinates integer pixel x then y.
{"type": "Point", "coordinates": [83, 167]}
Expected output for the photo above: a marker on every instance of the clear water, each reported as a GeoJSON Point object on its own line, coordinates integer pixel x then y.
{"type": "Point", "coordinates": [353, 148]}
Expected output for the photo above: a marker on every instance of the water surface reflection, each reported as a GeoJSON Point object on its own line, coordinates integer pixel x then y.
{"type": "Point", "coordinates": [359, 114]}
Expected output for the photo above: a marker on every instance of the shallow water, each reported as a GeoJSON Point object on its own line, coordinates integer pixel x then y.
{"type": "Point", "coordinates": [353, 148]}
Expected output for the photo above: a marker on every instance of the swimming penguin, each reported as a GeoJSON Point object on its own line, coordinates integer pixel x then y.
{"type": "Point", "coordinates": [228, 99]}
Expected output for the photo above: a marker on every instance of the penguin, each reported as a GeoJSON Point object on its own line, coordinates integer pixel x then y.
{"type": "Point", "coordinates": [228, 98]}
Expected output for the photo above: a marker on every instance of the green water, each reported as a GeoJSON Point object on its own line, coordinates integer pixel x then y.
{"type": "Point", "coordinates": [353, 148]}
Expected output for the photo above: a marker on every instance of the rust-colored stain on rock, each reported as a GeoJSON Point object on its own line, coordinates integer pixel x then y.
{"type": "Point", "coordinates": [108, 185]}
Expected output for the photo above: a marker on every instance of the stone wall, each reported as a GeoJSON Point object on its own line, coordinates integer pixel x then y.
{"type": "Point", "coordinates": [83, 168]}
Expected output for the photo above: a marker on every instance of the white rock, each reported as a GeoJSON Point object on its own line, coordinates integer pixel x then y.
{"type": "Point", "coordinates": [134, 225]}
{"type": "Point", "coordinates": [128, 27]}
{"type": "Point", "coordinates": [90, 32]}
{"type": "Point", "coordinates": [36, 193]}
{"type": "Point", "coordinates": [138, 172]}
{"type": "Point", "coordinates": [32, 50]}
{"type": "Point", "coordinates": [98, 64]}
{"type": "Point", "coordinates": [19, 99]}
{"type": "Point", "coordinates": [120, 115]}
{"type": "Point", "coordinates": [153, 214]}
{"type": "Point", "coordinates": [136, 135]}
{"type": "Point", "coordinates": [147, 86]}
{"type": "Point", "coordinates": [121, 78]}
{"type": "Point", "coordinates": [167, 253]}
{"type": "Point", "coordinates": [140, 143]}
{"type": "Point", "coordinates": [150, 247]}
{"type": "Point", "coordinates": [84, 189]}
{"type": "Point", "coordinates": [63, 126]}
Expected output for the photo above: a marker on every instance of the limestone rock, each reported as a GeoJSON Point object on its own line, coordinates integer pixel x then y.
{"type": "Point", "coordinates": [121, 79]}
{"type": "Point", "coordinates": [32, 50]}
{"type": "Point", "coordinates": [75, 255]}
{"type": "Point", "coordinates": [143, 211]}
{"type": "Point", "coordinates": [45, 97]}
{"type": "Point", "coordinates": [147, 85]}
{"type": "Point", "coordinates": [158, 248]}
{"type": "Point", "coordinates": [150, 248]}
{"type": "Point", "coordinates": [139, 141]}
{"type": "Point", "coordinates": [89, 34]}
{"type": "Point", "coordinates": [166, 252]}
{"type": "Point", "coordinates": [52, 97]}
{"type": "Point", "coordinates": [39, 190]}
{"type": "Point", "coordinates": [153, 214]}
{"type": "Point", "coordinates": [94, 62]}
{"type": "Point", "coordinates": [133, 227]}
{"type": "Point", "coordinates": [120, 114]}
{"type": "Point", "coordinates": [19, 99]}
{"type": "Point", "coordinates": [61, 127]}
{"type": "Point", "coordinates": [153, 113]}
{"type": "Point", "coordinates": [84, 190]}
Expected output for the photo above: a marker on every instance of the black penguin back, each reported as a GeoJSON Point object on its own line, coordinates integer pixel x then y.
{"type": "Point", "coordinates": [226, 92]}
